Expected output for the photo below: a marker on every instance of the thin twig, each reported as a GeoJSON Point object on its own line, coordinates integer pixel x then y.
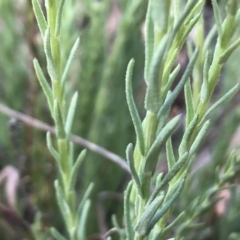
{"type": "Point", "coordinates": [109, 233]}
{"type": "Point", "coordinates": [30, 121]}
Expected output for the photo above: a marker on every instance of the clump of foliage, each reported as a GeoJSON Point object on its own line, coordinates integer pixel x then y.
{"type": "Point", "coordinates": [169, 196]}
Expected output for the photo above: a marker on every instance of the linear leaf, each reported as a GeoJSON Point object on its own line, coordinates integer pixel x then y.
{"type": "Point", "coordinates": [189, 102]}
{"type": "Point", "coordinates": [170, 80]}
{"type": "Point", "coordinates": [84, 199]}
{"type": "Point", "coordinates": [217, 17]}
{"type": "Point", "coordinates": [152, 99]}
{"type": "Point", "coordinates": [225, 97]}
{"type": "Point", "coordinates": [184, 145]}
{"type": "Point", "coordinates": [71, 112]}
{"type": "Point", "coordinates": [42, 23]}
{"type": "Point", "coordinates": [75, 169]}
{"type": "Point", "coordinates": [176, 221]}
{"type": "Point", "coordinates": [50, 62]}
{"type": "Point", "coordinates": [44, 84]}
{"type": "Point", "coordinates": [62, 203]}
{"type": "Point", "coordinates": [157, 235]}
{"type": "Point", "coordinates": [166, 206]}
{"type": "Point", "coordinates": [127, 211]}
{"type": "Point", "coordinates": [227, 53]}
{"type": "Point", "coordinates": [130, 159]}
{"type": "Point", "coordinates": [204, 93]}
{"type": "Point", "coordinates": [71, 155]}
{"type": "Point", "coordinates": [169, 176]}
{"type": "Point", "coordinates": [149, 212]}
{"type": "Point", "coordinates": [170, 154]}
{"type": "Point", "coordinates": [133, 109]}
{"type": "Point", "coordinates": [176, 11]}
{"type": "Point", "coordinates": [152, 156]}
{"type": "Point", "coordinates": [54, 153]}
{"type": "Point", "coordinates": [186, 13]}
{"type": "Point", "coordinates": [168, 68]}
{"type": "Point", "coordinates": [189, 28]}
{"type": "Point", "coordinates": [180, 85]}
{"type": "Point", "coordinates": [149, 45]}
{"type": "Point", "coordinates": [210, 36]}
{"type": "Point", "coordinates": [69, 61]}
{"type": "Point", "coordinates": [196, 8]}
{"type": "Point", "coordinates": [81, 228]}
{"type": "Point", "coordinates": [59, 121]}
{"type": "Point", "coordinates": [59, 18]}
{"type": "Point", "coordinates": [56, 234]}
{"type": "Point", "coordinates": [160, 20]}
{"type": "Point", "coordinates": [199, 138]}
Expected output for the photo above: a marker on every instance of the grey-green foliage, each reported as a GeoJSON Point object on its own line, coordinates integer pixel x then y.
{"type": "Point", "coordinates": [156, 205]}
{"type": "Point", "coordinates": [74, 214]}
{"type": "Point", "coordinates": [101, 83]}
{"type": "Point", "coordinates": [148, 219]}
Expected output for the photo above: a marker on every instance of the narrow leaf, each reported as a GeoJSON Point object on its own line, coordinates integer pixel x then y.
{"type": "Point", "coordinates": [227, 53]}
{"type": "Point", "coordinates": [149, 45]}
{"type": "Point", "coordinates": [190, 112]}
{"type": "Point", "coordinates": [75, 169]}
{"type": "Point", "coordinates": [71, 155]}
{"type": "Point", "coordinates": [81, 229]}
{"type": "Point", "coordinates": [217, 17]}
{"type": "Point", "coordinates": [160, 20]}
{"type": "Point", "coordinates": [62, 203]}
{"type": "Point", "coordinates": [149, 212]}
{"type": "Point", "coordinates": [50, 62]}
{"type": "Point", "coordinates": [168, 68]}
{"type": "Point", "coordinates": [152, 100]}
{"type": "Point", "coordinates": [184, 145]}
{"type": "Point", "coordinates": [169, 176]}
{"type": "Point", "coordinates": [170, 154]}
{"type": "Point", "coordinates": [209, 38]}
{"type": "Point", "coordinates": [230, 94]}
{"type": "Point", "coordinates": [59, 121]}
{"type": "Point", "coordinates": [172, 77]}
{"type": "Point", "coordinates": [44, 84]}
{"type": "Point", "coordinates": [152, 156]}
{"type": "Point", "coordinates": [186, 13]}
{"type": "Point", "coordinates": [71, 112]}
{"type": "Point", "coordinates": [54, 153]}
{"type": "Point", "coordinates": [176, 11]}
{"type": "Point", "coordinates": [167, 205]}
{"type": "Point", "coordinates": [174, 223]}
{"type": "Point", "coordinates": [69, 61]}
{"type": "Point", "coordinates": [130, 159]}
{"type": "Point", "coordinates": [56, 234]}
{"type": "Point", "coordinates": [133, 109]}
{"type": "Point", "coordinates": [84, 199]}
{"type": "Point", "coordinates": [180, 85]}
{"type": "Point", "coordinates": [127, 212]}
{"type": "Point", "coordinates": [115, 223]}
{"type": "Point", "coordinates": [204, 93]}
{"type": "Point", "coordinates": [189, 28]}
{"type": "Point", "coordinates": [199, 138]}
{"type": "Point", "coordinates": [59, 18]}
{"type": "Point", "coordinates": [42, 23]}
{"type": "Point", "coordinates": [157, 235]}
{"type": "Point", "coordinates": [232, 7]}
